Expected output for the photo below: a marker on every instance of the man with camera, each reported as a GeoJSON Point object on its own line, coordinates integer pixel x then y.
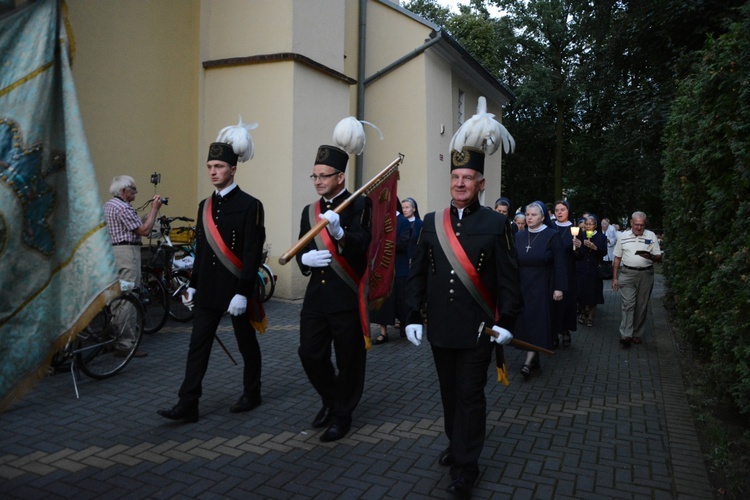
{"type": "Point", "coordinates": [125, 231]}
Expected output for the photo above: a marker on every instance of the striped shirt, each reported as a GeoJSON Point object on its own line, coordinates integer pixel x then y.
{"type": "Point", "coordinates": [629, 243]}
{"type": "Point", "coordinates": [122, 221]}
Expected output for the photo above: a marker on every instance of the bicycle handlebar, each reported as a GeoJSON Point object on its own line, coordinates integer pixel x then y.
{"type": "Point", "coordinates": [169, 220]}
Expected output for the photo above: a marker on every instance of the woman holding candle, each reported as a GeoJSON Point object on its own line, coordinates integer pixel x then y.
{"type": "Point", "coordinates": [564, 311]}
{"type": "Point", "coordinates": [590, 287]}
{"type": "Point", "coordinates": [541, 261]}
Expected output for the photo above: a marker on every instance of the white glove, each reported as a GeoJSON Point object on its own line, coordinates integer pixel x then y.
{"type": "Point", "coordinates": [316, 258]}
{"type": "Point", "coordinates": [414, 334]}
{"type": "Point", "coordinates": [187, 298]}
{"type": "Point", "coordinates": [238, 305]}
{"type": "Point", "coordinates": [334, 224]}
{"type": "Point", "coordinates": [503, 336]}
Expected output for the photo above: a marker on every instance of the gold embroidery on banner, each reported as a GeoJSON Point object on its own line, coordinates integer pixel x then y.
{"type": "Point", "coordinates": [388, 225]}
{"type": "Point", "coordinates": [387, 257]}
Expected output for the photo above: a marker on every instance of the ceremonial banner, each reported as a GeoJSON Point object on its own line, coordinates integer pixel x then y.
{"type": "Point", "coordinates": [56, 261]}
{"type": "Point", "coordinates": [377, 281]}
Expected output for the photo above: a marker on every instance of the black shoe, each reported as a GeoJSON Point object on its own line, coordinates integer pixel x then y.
{"type": "Point", "coordinates": [625, 341]}
{"type": "Point", "coordinates": [188, 413]}
{"type": "Point", "coordinates": [460, 488]}
{"type": "Point", "coordinates": [380, 339]}
{"type": "Point", "coordinates": [245, 403]}
{"type": "Point", "coordinates": [566, 339]}
{"type": "Point", "coordinates": [535, 363]}
{"type": "Point", "coordinates": [446, 458]}
{"type": "Point", "coordinates": [526, 371]}
{"type": "Point", "coordinates": [323, 417]}
{"type": "Point", "coordinates": [334, 433]}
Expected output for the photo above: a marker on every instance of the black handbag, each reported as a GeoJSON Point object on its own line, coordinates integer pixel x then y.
{"type": "Point", "coordinates": [605, 270]}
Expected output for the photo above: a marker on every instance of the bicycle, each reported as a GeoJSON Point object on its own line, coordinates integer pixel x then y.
{"type": "Point", "coordinates": [165, 278]}
{"type": "Point", "coordinates": [266, 278]}
{"type": "Point", "coordinates": [153, 296]}
{"type": "Point", "coordinates": [95, 349]}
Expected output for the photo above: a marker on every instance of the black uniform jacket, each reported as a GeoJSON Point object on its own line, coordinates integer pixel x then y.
{"type": "Point", "coordinates": [453, 315]}
{"type": "Point", "coordinates": [326, 292]}
{"type": "Point", "coordinates": [239, 218]}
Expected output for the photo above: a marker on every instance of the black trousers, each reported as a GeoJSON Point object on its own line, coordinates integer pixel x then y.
{"type": "Point", "coordinates": [341, 392]}
{"type": "Point", "coordinates": [205, 323]}
{"type": "Point", "coordinates": [462, 374]}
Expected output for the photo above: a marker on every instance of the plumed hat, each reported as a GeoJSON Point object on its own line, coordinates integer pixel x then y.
{"type": "Point", "coordinates": [233, 144]}
{"type": "Point", "coordinates": [479, 135]}
{"type": "Point", "coordinates": [349, 138]}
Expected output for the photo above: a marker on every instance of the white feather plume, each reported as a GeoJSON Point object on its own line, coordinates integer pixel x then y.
{"type": "Point", "coordinates": [239, 137]}
{"type": "Point", "coordinates": [483, 132]}
{"type": "Point", "coordinates": [349, 135]}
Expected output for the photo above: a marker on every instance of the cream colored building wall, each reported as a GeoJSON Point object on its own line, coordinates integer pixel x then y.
{"type": "Point", "coordinates": [416, 107]}
{"type": "Point", "coordinates": [239, 28]}
{"type": "Point", "coordinates": [135, 71]}
{"type": "Point", "coordinates": [396, 103]}
{"type": "Point", "coordinates": [441, 125]}
{"type": "Point", "coordinates": [295, 106]}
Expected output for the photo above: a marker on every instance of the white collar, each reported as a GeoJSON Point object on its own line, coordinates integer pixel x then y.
{"type": "Point", "coordinates": [227, 189]}
{"type": "Point", "coordinates": [337, 195]}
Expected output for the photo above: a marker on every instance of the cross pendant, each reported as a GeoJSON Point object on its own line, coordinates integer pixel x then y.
{"type": "Point", "coordinates": [527, 248]}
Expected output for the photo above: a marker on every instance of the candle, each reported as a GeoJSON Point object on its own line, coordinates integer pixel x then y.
{"type": "Point", "coordinates": [574, 231]}
{"type": "Point", "coordinates": [589, 234]}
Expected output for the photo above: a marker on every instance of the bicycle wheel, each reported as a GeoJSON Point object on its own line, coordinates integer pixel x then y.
{"type": "Point", "coordinates": [154, 299]}
{"type": "Point", "coordinates": [105, 346]}
{"type": "Point", "coordinates": [266, 281]}
{"type": "Point", "coordinates": [178, 285]}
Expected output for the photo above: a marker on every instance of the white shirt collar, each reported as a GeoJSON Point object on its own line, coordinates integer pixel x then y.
{"type": "Point", "coordinates": [227, 189]}
{"type": "Point", "coordinates": [337, 195]}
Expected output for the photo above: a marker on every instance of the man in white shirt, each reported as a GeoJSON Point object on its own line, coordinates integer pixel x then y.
{"type": "Point", "coordinates": [633, 275]}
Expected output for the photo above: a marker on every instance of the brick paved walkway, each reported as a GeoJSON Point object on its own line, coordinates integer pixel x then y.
{"type": "Point", "coordinates": [598, 422]}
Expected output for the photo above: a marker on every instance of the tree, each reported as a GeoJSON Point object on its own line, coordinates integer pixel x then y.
{"type": "Point", "coordinates": [707, 194]}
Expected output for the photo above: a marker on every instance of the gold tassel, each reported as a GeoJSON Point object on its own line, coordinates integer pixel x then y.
{"type": "Point", "coordinates": [502, 375]}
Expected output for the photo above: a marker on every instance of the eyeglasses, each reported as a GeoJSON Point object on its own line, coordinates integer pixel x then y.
{"type": "Point", "coordinates": [323, 176]}
{"type": "Point", "coordinates": [132, 188]}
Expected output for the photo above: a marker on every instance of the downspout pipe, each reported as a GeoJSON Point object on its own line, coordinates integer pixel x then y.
{"type": "Point", "coordinates": [404, 59]}
{"type": "Point", "coordinates": [363, 82]}
{"type": "Point", "coordinates": [359, 171]}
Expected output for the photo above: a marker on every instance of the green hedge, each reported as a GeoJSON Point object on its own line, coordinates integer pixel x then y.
{"type": "Point", "coordinates": [707, 210]}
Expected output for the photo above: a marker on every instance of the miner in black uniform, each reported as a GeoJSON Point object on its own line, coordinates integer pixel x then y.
{"type": "Point", "coordinates": [335, 261]}
{"type": "Point", "coordinates": [464, 272]}
{"type": "Point", "coordinates": [230, 236]}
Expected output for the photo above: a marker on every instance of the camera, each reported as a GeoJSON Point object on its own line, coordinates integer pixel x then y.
{"type": "Point", "coordinates": [155, 178]}
{"type": "Point", "coordinates": [164, 200]}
